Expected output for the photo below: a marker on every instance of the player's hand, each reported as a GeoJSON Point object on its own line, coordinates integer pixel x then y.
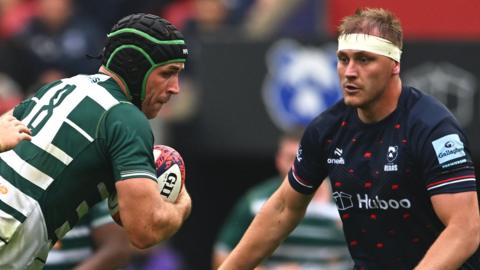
{"type": "Point", "coordinates": [12, 131]}
{"type": "Point", "coordinates": [183, 196]}
{"type": "Point", "coordinates": [184, 202]}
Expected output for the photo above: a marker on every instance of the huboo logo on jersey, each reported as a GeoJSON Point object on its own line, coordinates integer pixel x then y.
{"type": "Point", "coordinates": [448, 147]}
{"type": "Point", "coordinates": [392, 154]}
{"type": "Point", "coordinates": [301, 82]}
{"type": "Point", "coordinates": [338, 157]}
{"type": "Point", "coordinates": [344, 201]}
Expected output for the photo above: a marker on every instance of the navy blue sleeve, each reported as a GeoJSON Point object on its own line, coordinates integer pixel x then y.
{"type": "Point", "coordinates": [441, 149]}
{"type": "Point", "coordinates": [309, 170]}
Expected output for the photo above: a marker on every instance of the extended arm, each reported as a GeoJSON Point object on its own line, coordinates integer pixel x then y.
{"type": "Point", "coordinates": [146, 216]}
{"type": "Point", "coordinates": [112, 249]}
{"type": "Point", "coordinates": [460, 238]}
{"type": "Point", "coordinates": [277, 218]}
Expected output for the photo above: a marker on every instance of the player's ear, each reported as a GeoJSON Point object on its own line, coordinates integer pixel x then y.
{"type": "Point", "coordinates": [396, 68]}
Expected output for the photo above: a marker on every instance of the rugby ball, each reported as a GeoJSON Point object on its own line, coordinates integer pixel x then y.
{"type": "Point", "coordinates": [170, 171]}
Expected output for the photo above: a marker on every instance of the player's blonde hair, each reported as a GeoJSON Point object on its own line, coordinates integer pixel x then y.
{"type": "Point", "coordinates": [373, 21]}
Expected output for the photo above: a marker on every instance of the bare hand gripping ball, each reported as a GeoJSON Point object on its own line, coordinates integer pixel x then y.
{"type": "Point", "coordinates": [170, 177]}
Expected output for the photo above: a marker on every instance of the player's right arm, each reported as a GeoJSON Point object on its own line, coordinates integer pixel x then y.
{"type": "Point", "coordinates": [286, 207]}
{"type": "Point", "coordinates": [146, 216]}
{"type": "Point", "coordinates": [277, 218]}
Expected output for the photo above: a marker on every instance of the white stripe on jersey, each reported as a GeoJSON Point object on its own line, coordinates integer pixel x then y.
{"type": "Point", "coordinates": [53, 150]}
{"type": "Point", "coordinates": [298, 181]}
{"type": "Point", "coordinates": [16, 198]}
{"type": "Point", "coordinates": [26, 170]}
{"type": "Point", "coordinates": [102, 190]}
{"type": "Point", "coordinates": [42, 102]}
{"type": "Point", "coordinates": [139, 173]}
{"type": "Point", "coordinates": [82, 209]}
{"type": "Point", "coordinates": [102, 221]}
{"type": "Point", "coordinates": [59, 115]}
{"type": "Point", "coordinates": [39, 118]}
{"type": "Point", "coordinates": [314, 232]}
{"type": "Point", "coordinates": [62, 230]}
{"type": "Point", "coordinates": [452, 182]}
{"type": "Point", "coordinates": [68, 256]}
{"type": "Point", "coordinates": [35, 99]}
{"type": "Point", "coordinates": [46, 135]}
{"type": "Point", "coordinates": [95, 91]}
{"type": "Point", "coordinates": [78, 231]}
{"type": "Point", "coordinates": [310, 253]}
{"type": "Point", "coordinates": [8, 226]}
{"type": "Point", "coordinates": [79, 129]}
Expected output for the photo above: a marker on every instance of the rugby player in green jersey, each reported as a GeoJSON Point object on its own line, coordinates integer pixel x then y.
{"type": "Point", "coordinates": [91, 137]}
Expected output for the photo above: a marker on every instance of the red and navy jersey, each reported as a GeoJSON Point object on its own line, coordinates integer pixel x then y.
{"type": "Point", "coordinates": [383, 176]}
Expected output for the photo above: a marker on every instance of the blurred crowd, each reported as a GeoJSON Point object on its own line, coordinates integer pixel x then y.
{"type": "Point", "coordinates": [44, 40]}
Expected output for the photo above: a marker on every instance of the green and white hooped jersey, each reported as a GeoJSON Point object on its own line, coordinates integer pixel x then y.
{"type": "Point", "coordinates": [78, 245]}
{"type": "Point", "coordinates": [86, 136]}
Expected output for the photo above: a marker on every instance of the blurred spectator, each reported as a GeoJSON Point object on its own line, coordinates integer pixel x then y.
{"type": "Point", "coordinates": [53, 45]}
{"type": "Point", "coordinates": [210, 15]}
{"type": "Point", "coordinates": [199, 20]}
{"type": "Point", "coordinates": [96, 242]}
{"type": "Point", "coordinates": [107, 12]}
{"type": "Point", "coordinates": [177, 12]}
{"type": "Point", "coordinates": [10, 93]}
{"type": "Point", "coordinates": [162, 257]}
{"type": "Point", "coordinates": [307, 21]}
{"type": "Point", "coordinates": [207, 21]}
{"type": "Point", "coordinates": [295, 18]}
{"type": "Point", "coordinates": [14, 14]}
{"type": "Point", "coordinates": [237, 10]}
{"type": "Point", "coordinates": [316, 243]}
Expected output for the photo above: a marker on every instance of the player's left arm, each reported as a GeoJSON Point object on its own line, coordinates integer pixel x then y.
{"type": "Point", "coordinates": [442, 151]}
{"type": "Point", "coordinates": [276, 219]}
{"type": "Point", "coordinates": [459, 213]}
{"type": "Point", "coordinates": [112, 248]}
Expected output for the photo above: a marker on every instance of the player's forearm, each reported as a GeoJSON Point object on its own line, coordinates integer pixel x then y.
{"type": "Point", "coordinates": [148, 218]}
{"type": "Point", "coordinates": [163, 223]}
{"type": "Point", "coordinates": [452, 248]}
{"type": "Point", "coordinates": [271, 225]}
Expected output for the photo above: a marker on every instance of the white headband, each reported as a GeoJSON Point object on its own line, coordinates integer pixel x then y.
{"type": "Point", "coordinates": [369, 43]}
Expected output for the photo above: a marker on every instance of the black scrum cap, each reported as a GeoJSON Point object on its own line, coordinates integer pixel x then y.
{"type": "Point", "coordinates": [136, 45]}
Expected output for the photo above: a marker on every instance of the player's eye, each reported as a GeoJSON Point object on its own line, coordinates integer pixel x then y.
{"type": "Point", "coordinates": [167, 74]}
{"type": "Point", "coordinates": [364, 59]}
{"type": "Point", "coordinates": [342, 59]}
